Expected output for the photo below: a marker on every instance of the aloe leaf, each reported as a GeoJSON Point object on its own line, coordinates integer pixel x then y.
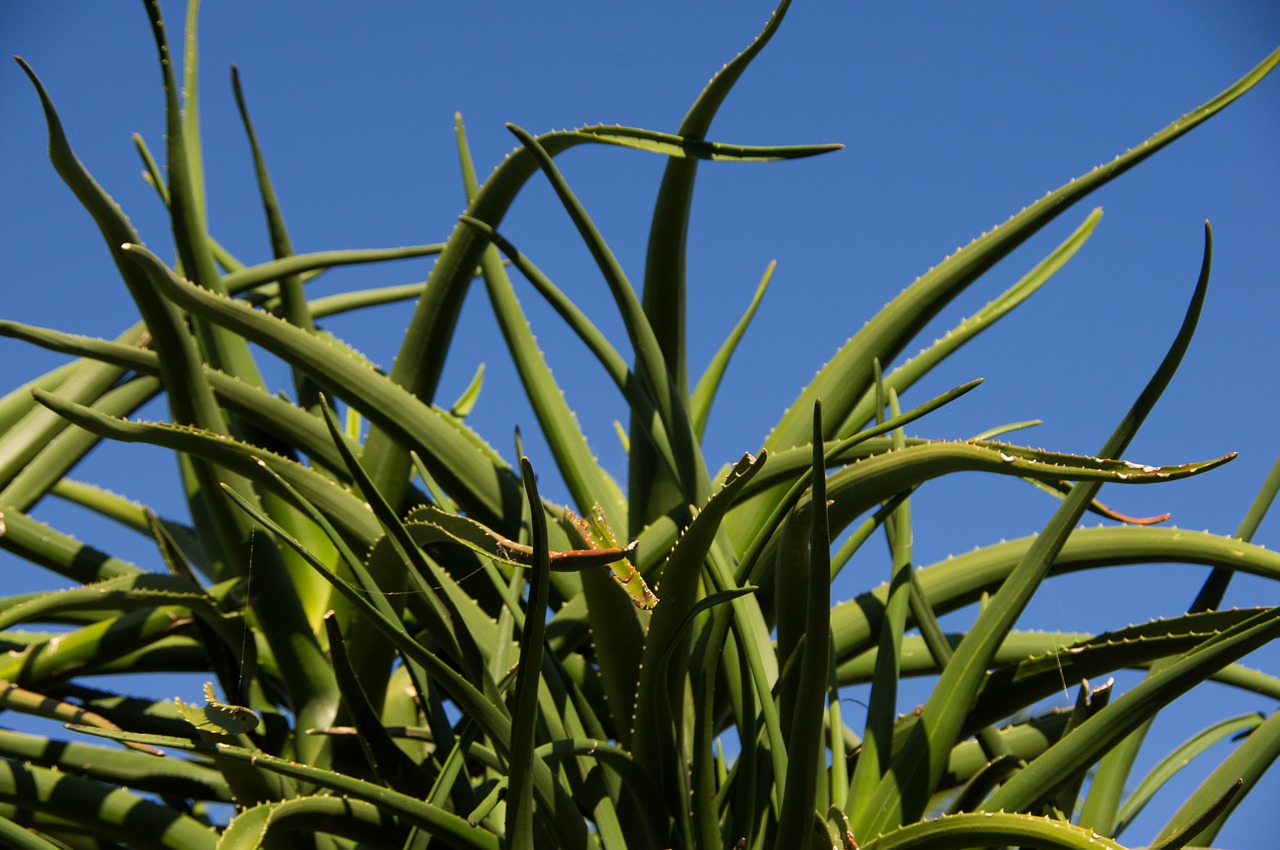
{"type": "Point", "coordinates": [422, 355]}
{"type": "Point", "coordinates": [17, 403]}
{"type": "Point", "coordinates": [1101, 807]}
{"type": "Point", "coordinates": [139, 771]}
{"type": "Point", "coordinates": [20, 837]}
{"type": "Point", "coordinates": [103, 502]}
{"type": "Point", "coordinates": [587, 482]}
{"type": "Point", "coordinates": [997, 829]}
{"type": "Point", "coordinates": [1023, 740]}
{"type": "Point", "coordinates": [57, 457]}
{"type": "Point", "coordinates": [246, 460]}
{"type": "Point", "coordinates": [479, 707]}
{"type": "Point", "coordinates": [430, 818]}
{"type": "Point", "coordinates": [705, 392]}
{"type": "Point", "coordinates": [1183, 836]}
{"type": "Point", "coordinates": [271, 414]}
{"type": "Point", "coordinates": [1245, 766]}
{"type": "Point", "coordinates": [232, 356]}
{"type": "Point", "coordinates": [858, 488]}
{"type": "Point", "coordinates": [683, 147]}
{"type": "Point", "coordinates": [847, 375]}
{"type": "Point", "coordinates": [1033, 678]}
{"type": "Point", "coordinates": [806, 755]}
{"type": "Point", "coordinates": [294, 304]}
{"type": "Point", "coordinates": [1054, 656]}
{"type": "Point", "coordinates": [29, 427]}
{"type": "Point", "coordinates": [372, 659]}
{"type": "Point", "coordinates": [614, 364]}
{"type": "Point", "coordinates": [160, 318]}
{"type": "Point", "coordinates": [1059, 489]}
{"type": "Point", "coordinates": [293, 299]}
{"type": "Point", "coordinates": [217, 720]}
{"type": "Point", "coordinates": [861, 534]}
{"type": "Point", "coordinates": [225, 351]}
{"type": "Point", "coordinates": [309, 681]}
{"type": "Point", "coordinates": [882, 709]}
{"type": "Point", "coordinates": [39, 544]}
{"type": "Point", "coordinates": [1215, 586]}
{"type": "Point", "coordinates": [251, 277]}
{"type": "Point", "coordinates": [151, 174]}
{"type": "Point", "coordinates": [370, 602]}
{"type": "Point", "coordinates": [1180, 757]}
{"type": "Point", "coordinates": [939, 650]}
{"type": "Point", "coordinates": [919, 764]}
{"type": "Point", "coordinates": [189, 115]}
{"type": "Point", "coordinates": [472, 604]}
{"type": "Point", "coordinates": [519, 819]}
{"type": "Point", "coordinates": [1075, 754]}
{"type": "Point", "coordinates": [116, 814]}
{"type": "Point", "coordinates": [354, 819]}
{"type": "Point", "coordinates": [89, 647]}
{"type": "Point", "coordinates": [645, 414]}
{"type": "Point", "coordinates": [25, 701]}
{"type": "Point", "coordinates": [490, 715]}
{"type": "Point", "coordinates": [227, 664]}
{"type": "Point", "coordinates": [435, 525]}
{"type": "Point", "coordinates": [110, 219]}
{"type": "Point", "coordinates": [962, 579]}
{"type": "Point", "coordinates": [182, 150]}
{"type": "Point", "coordinates": [652, 370]}
{"type": "Point", "coordinates": [456, 456]}
{"type": "Point", "coordinates": [466, 401]}
{"type": "Point", "coordinates": [750, 562]}
{"type": "Point", "coordinates": [946, 457]}
{"type": "Point", "coordinates": [666, 659]}
{"type": "Point", "coordinates": [1000, 430]}
{"type": "Point", "coordinates": [391, 765]}
{"type": "Point", "coordinates": [123, 593]}
{"type": "Point", "coordinates": [189, 398]}
{"type": "Point", "coordinates": [908, 373]}
{"type": "Point", "coordinates": [1060, 800]}
{"type": "Point", "coordinates": [664, 298]}
{"type": "Point", "coordinates": [679, 589]}
{"type": "Point", "coordinates": [347, 302]}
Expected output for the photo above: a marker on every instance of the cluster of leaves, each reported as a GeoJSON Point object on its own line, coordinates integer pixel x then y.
{"type": "Point", "coordinates": [415, 648]}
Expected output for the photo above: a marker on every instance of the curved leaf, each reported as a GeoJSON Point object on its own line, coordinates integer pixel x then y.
{"type": "Point", "coordinates": [114, 813]}
{"type": "Point", "coordinates": [355, 819]}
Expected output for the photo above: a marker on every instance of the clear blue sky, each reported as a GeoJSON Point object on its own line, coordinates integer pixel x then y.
{"type": "Point", "coordinates": [954, 117]}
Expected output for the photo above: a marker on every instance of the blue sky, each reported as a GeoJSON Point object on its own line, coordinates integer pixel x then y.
{"type": "Point", "coordinates": [953, 117]}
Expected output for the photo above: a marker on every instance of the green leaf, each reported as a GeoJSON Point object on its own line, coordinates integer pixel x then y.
{"type": "Point", "coordinates": [424, 815]}
{"type": "Point", "coordinates": [1076, 753]}
{"type": "Point", "coordinates": [357, 820]}
{"type": "Point", "coordinates": [980, 829]}
{"type": "Point", "coordinates": [37, 543]}
{"type": "Point", "coordinates": [460, 460]}
{"type": "Point", "coordinates": [218, 718]}
{"type": "Point", "coordinates": [916, 768]}
{"type": "Point", "coordinates": [1180, 757]}
{"type": "Point", "coordinates": [653, 492]}
{"type": "Point", "coordinates": [652, 370]}
{"type": "Point", "coordinates": [137, 770]}
{"type": "Point", "coordinates": [519, 820]}
{"type": "Point", "coordinates": [962, 579]}
{"type": "Point", "coordinates": [806, 755]}
{"type": "Point", "coordinates": [914, 369]}
{"type": "Point", "coordinates": [110, 812]}
{"type": "Point", "coordinates": [705, 392]}
{"type": "Point", "coordinates": [845, 378]}
{"type": "Point", "coordinates": [1245, 767]}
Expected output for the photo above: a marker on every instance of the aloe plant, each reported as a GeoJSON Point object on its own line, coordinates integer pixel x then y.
{"type": "Point", "coordinates": [408, 641]}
